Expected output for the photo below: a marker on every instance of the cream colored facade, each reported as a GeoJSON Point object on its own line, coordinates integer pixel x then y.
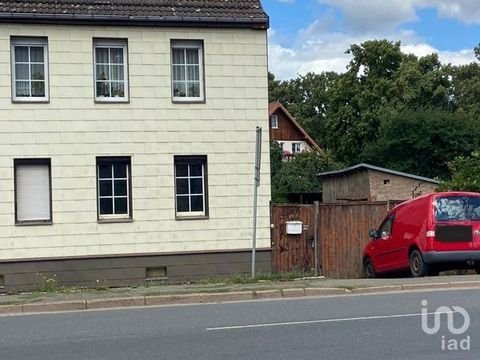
{"type": "Point", "coordinates": [72, 130]}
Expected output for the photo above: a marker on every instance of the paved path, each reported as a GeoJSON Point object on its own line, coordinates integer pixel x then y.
{"type": "Point", "coordinates": [214, 292]}
{"type": "Point", "coordinates": [380, 326]}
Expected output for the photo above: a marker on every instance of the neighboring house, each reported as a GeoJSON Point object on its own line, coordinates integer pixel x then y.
{"type": "Point", "coordinates": [127, 142]}
{"type": "Point", "coordinates": [364, 182]}
{"type": "Point", "coordinates": [288, 133]}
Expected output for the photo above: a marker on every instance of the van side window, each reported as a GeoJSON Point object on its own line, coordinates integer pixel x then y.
{"type": "Point", "coordinates": [386, 228]}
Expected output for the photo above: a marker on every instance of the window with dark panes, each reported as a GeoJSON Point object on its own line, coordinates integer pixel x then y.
{"type": "Point", "coordinates": [114, 195]}
{"type": "Point", "coordinates": [29, 69]}
{"type": "Point", "coordinates": [111, 76]}
{"type": "Point", "coordinates": [191, 185]}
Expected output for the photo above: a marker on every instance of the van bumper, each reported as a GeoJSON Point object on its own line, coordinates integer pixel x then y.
{"type": "Point", "coordinates": [432, 257]}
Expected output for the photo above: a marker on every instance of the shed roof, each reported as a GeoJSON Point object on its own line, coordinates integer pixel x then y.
{"type": "Point", "coordinates": [221, 13]}
{"type": "Point", "coordinates": [363, 166]}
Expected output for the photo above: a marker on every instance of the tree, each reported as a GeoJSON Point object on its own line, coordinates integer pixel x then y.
{"type": "Point", "coordinates": [423, 142]}
{"type": "Point", "coordinates": [299, 175]}
{"type": "Point", "coordinates": [307, 99]}
{"type": "Point", "coordinates": [465, 174]}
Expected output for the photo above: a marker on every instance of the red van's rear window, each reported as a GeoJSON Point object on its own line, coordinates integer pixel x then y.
{"type": "Point", "coordinates": [450, 208]}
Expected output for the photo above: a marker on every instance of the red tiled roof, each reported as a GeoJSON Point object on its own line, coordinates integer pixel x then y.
{"type": "Point", "coordinates": [183, 11]}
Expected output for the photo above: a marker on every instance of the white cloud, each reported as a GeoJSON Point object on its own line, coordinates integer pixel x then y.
{"type": "Point", "coordinates": [318, 49]}
{"type": "Point", "coordinates": [329, 53]}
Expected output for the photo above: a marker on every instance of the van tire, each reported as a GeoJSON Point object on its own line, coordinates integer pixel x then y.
{"type": "Point", "coordinates": [369, 269]}
{"type": "Point", "coordinates": [418, 267]}
{"type": "Point", "coordinates": [477, 269]}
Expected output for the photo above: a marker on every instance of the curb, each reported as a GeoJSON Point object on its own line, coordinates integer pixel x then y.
{"type": "Point", "coordinates": [201, 298]}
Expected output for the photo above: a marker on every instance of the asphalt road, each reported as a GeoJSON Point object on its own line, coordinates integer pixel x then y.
{"type": "Point", "coordinates": [381, 326]}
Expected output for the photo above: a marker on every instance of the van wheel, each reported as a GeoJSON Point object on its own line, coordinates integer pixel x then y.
{"type": "Point", "coordinates": [477, 269]}
{"type": "Point", "coordinates": [369, 269]}
{"type": "Point", "coordinates": [418, 267]}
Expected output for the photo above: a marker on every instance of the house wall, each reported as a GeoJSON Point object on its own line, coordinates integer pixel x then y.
{"type": "Point", "coordinates": [73, 130]}
{"type": "Point", "coordinates": [384, 186]}
{"type": "Point", "coordinates": [345, 188]}
{"type": "Point", "coordinates": [286, 130]}
{"type": "Point", "coordinates": [287, 145]}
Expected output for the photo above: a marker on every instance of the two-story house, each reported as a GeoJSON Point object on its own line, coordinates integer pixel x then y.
{"type": "Point", "coordinates": [289, 134]}
{"type": "Point", "coordinates": [123, 133]}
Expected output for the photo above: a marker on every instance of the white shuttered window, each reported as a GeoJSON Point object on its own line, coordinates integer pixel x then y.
{"type": "Point", "coordinates": [32, 186]}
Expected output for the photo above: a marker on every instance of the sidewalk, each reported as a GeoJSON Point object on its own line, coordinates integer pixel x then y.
{"type": "Point", "coordinates": [220, 292]}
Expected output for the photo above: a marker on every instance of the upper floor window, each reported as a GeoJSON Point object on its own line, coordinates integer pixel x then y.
{"type": "Point", "coordinates": [29, 69]}
{"type": "Point", "coordinates": [111, 70]}
{"type": "Point", "coordinates": [274, 120]}
{"type": "Point", "coordinates": [187, 71]}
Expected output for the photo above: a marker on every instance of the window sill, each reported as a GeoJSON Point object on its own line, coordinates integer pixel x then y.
{"type": "Point", "coordinates": [28, 101]}
{"type": "Point", "coordinates": [189, 101]}
{"type": "Point", "coordinates": [193, 217]}
{"type": "Point", "coordinates": [118, 220]}
{"type": "Point", "coordinates": [34, 223]}
{"type": "Point", "coordinates": [111, 101]}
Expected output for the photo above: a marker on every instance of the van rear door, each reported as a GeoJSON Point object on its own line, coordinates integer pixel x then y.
{"type": "Point", "coordinates": [457, 223]}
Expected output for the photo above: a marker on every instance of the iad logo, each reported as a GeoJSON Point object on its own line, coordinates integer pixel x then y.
{"type": "Point", "coordinates": [452, 344]}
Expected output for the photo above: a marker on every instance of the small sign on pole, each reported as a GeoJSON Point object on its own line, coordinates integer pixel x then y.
{"type": "Point", "coordinates": [258, 154]}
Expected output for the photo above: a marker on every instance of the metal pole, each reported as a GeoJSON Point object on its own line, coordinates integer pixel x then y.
{"type": "Point", "coordinates": [256, 183]}
{"type": "Point", "coordinates": [315, 235]}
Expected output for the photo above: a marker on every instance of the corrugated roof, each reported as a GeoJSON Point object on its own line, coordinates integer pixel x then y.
{"type": "Point", "coordinates": [362, 166]}
{"type": "Point", "coordinates": [246, 12]}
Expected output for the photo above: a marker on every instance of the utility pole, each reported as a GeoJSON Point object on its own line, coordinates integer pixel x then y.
{"type": "Point", "coordinates": [256, 184]}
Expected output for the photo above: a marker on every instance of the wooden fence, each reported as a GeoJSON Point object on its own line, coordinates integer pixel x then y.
{"type": "Point", "coordinates": [293, 252]}
{"type": "Point", "coordinates": [342, 234]}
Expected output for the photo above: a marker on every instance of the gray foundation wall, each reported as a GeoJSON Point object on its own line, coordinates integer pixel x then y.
{"type": "Point", "coordinates": [128, 269]}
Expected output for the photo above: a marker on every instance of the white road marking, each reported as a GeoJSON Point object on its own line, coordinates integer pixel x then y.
{"type": "Point", "coordinates": [306, 322]}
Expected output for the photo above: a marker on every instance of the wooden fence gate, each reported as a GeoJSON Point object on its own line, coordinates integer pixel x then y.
{"type": "Point", "coordinates": [342, 234]}
{"type": "Point", "coordinates": [293, 252]}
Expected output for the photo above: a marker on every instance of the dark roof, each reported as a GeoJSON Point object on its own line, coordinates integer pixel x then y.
{"type": "Point", "coordinates": [239, 13]}
{"type": "Point", "coordinates": [362, 166]}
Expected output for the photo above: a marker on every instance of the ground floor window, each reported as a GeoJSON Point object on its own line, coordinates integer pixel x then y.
{"type": "Point", "coordinates": [191, 186]}
{"type": "Point", "coordinates": [114, 187]}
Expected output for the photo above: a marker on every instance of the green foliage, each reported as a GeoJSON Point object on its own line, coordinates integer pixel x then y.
{"type": "Point", "coordinates": [299, 175]}
{"type": "Point", "coordinates": [422, 142]}
{"type": "Point", "coordinates": [393, 109]}
{"type": "Point", "coordinates": [465, 174]}
{"type": "Point", "coordinates": [275, 158]}
{"type": "Point", "coordinates": [307, 99]}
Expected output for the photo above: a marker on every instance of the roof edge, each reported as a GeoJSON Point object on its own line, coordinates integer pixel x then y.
{"type": "Point", "coordinates": [177, 21]}
{"type": "Point", "coordinates": [377, 168]}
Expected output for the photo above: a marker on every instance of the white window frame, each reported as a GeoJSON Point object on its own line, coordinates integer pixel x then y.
{"type": "Point", "coordinates": [29, 42]}
{"type": "Point", "coordinates": [296, 145]}
{"type": "Point", "coordinates": [111, 161]}
{"type": "Point", "coordinates": [111, 44]}
{"type": "Point", "coordinates": [189, 160]}
{"type": "Point", "coordinates": [186, 44]}
{"type": "Point", "coordinates": [274, 121]}
{"type": "Point", "coordinates": [40, 162]}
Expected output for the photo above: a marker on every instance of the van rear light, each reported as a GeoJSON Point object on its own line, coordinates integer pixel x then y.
{"type": "Point", "coordinates": [431, 234]}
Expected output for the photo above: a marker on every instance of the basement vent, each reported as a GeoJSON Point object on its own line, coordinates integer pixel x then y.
{"type": "Point", "coordinates": [156, 274]}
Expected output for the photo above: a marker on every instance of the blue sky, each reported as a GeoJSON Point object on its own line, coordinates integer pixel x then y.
{"type": "Point", "coordinates": [313, 35]}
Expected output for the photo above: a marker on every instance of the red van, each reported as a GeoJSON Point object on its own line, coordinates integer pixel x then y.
{"type": "Point", "coordinates": [426, 235]}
